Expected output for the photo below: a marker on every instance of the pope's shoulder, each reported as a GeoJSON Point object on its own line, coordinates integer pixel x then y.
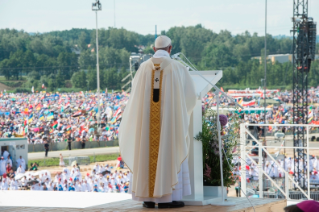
{"type": "Point", "coordinates": [172, 63]}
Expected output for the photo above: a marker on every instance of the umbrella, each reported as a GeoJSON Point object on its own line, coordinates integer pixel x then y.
{"type": "Point", "coordinates": [19, 176]}
{"type": "Point", "coordinates": [32, 181]}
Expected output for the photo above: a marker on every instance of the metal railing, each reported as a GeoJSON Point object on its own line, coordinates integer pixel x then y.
{"type": "Point", "coordinates": [286, 186]}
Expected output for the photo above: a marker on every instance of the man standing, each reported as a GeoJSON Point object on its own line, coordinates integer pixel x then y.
{"type": "Point", "coordinates": [69, 141]}
{"type": "Point", "coordinates": [2, 166]}
{"type": "Point", "coordinates": [153, 135]}
{"type": "Point", "coordinates": [21, 162]}
{"type": "Point", "coordinates": [46, 147]}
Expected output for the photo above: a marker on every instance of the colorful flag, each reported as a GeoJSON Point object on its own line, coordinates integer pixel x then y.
{"type": "Point", "coordinates": [117, 112]}
{"type": "Point", "coordinates": [39, 106]}
{"type": "Point", "coordinates": [30, 118]}
{"type": "Point", "coordinates": [68, 128]}
{"type": "Point", "coordinates": [55, 124]}
{"type": "Point", "coordinates": [41, 117]}
{"type": "Point", "coordinates": [51, 116]}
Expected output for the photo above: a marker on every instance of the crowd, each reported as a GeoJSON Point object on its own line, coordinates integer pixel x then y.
{"type": "Point", "coordinates": [101, 178]}
{"type": "Point", "coordinates": [46, 117]}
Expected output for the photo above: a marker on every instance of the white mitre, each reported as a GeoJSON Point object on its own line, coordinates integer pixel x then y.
{"type": "Point", "coordinates": [162, 41]}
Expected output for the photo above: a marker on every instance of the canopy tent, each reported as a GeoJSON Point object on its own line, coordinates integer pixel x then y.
{"type": "Point", "coordinates": [246, 110]}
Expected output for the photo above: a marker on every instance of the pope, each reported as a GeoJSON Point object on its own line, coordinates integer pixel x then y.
{"type": "Point", "coordinates": [153, 135]}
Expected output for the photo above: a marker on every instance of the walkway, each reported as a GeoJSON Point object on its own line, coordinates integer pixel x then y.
{"type": "Point", "coordinates": [76, 152]}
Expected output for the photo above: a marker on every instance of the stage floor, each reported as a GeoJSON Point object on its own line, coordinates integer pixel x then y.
{"type": "Point", "coordinates": [36, 201]}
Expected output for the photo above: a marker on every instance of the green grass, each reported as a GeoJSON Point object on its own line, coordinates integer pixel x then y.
{"type": "Point", "coordinates": [55, 161]}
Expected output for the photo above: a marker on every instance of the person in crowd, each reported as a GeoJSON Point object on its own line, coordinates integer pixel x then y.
{"type": "Point", "coordinates": [21, 162]}
{"type": "Point", "coordinates": [46, 148]}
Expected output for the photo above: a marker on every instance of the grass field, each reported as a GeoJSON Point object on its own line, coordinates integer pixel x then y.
{"type": "Point", "coordinates": [55, 161]}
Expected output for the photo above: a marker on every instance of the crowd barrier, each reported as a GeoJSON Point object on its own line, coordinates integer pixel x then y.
{"type": "Point", "coordinates": [74, 145]}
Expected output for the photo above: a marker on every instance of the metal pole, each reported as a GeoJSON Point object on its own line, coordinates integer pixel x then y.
{"type": "Point", "coordinates": [308, 170]}
{"type": "Point", "coordinates": [260, 173]}
{"type": "Point", "coordinates": [220, 148]}
{"type": "Point", "coordinates": [98, 75]}
{"type": "Point", "coordinates": [243, 158]}
{"type": "Point", "coordinates": [265, 77]}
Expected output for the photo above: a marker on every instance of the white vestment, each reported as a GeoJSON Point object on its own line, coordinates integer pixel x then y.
{"type": "Point", "coordinates": [178, 99]}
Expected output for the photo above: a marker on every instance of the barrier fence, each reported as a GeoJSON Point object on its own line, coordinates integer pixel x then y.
{"type": "Point", "coordinates": [256, 150]}
{"type": "Point", "coordinates": [74, 145]}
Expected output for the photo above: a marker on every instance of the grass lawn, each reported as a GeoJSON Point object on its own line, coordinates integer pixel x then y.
{"type": "Point", "coordinates": [55, 161]}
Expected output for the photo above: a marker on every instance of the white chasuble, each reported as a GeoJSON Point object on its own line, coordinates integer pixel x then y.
{"type": "Point", "coordinates": [153, 134]}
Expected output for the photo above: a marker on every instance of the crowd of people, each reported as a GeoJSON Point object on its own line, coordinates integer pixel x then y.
{"type": "Point", "coordinates": [46, 117]}
{"type": "Point", "coordinates": [100, 179]}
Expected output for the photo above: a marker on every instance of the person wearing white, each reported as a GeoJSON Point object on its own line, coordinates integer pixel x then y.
{"type": "Point", "coordinates": [61, 163]}
{"type": "Point", "coordinates": [21, 162]}
{"type": "Point", "coordinates": [84, 187]}
{"type": "Point", "coordinates": [9, 161]}
{"type": "Point", "coordinates": [2, 166]}
{"type": "Point", "coordinates": [155, 122]}
{"type": "Point", "coordinates": [5, 154]}
{"type": "Point", "coordinates": [13, 185]}
{"type": "Point", "coordinates": [4, 184]}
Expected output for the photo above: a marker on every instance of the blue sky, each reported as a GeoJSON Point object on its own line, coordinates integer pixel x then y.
{"type": "Point", "coordinates": [141, 16]}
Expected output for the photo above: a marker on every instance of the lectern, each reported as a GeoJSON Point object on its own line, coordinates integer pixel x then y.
{"type": "Point", "coordinates": [195, 160]}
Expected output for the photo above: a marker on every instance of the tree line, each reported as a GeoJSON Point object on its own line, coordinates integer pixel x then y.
{"type": "Point", "coordinates": [67, 58]}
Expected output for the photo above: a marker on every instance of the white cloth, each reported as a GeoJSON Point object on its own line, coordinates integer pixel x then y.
{"type": "Point", "coordinates": [160, 54]}
{"type": "Point", "coordinates": [178, 99]}
{"type": "Point", "coordinates": [183, 188]}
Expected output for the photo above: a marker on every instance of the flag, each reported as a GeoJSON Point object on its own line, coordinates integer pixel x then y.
{"type": "Point", "coordinates": [68, 128]}
{"type": "Point", "coordinates": [220, 94]}
{"type": "Point", "coordinates": [113, 120]}
{"type": "Point", "coordinates": [67, 105]}
{"type": "Point", "coordinates": [310, 119]}
{"type": "Point", "coordinates": [42, 86]}
{"type": "Point", "coordinates": [240, 101]}
{"type": "Point", "coordinates": [248, 103]}
{"type": "Point", "coordinates": [50, 116]}
{"type": "Point", "coordinates": [38, 107]}
{"type": "Point", "coordinates": [32, 89]}
{"type": "Point", "coordinates": [310, 112]}
{"type": "Point", "coordinates": [41, 117]}
{"type": "Point", "coordinates": [55, 124]}
{"type": "Point", "coordinates": [117, 112]}
{"type": "Point", "coordinates": [30, 118]}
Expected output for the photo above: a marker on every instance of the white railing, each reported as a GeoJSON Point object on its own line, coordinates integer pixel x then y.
{"type": "Point", "coordinates": [245, 150]}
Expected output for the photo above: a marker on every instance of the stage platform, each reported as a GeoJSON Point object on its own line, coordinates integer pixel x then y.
{"type": "Point", "coordinates": [47, 201]}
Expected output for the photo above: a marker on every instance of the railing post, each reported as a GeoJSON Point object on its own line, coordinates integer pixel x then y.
{"type": "Point", "coordinates": [287, 186]}
{"type": "Point", "coordinates": [260, 172]}
{"type": "Point", "coordinates": [243, 159]}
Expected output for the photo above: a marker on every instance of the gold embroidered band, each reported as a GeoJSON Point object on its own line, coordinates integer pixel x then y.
{"type": "Point", "coordinates": [154, 136]}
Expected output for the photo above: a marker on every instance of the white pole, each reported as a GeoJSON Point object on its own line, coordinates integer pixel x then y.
{"type": "Point", "coordinates": [260, 173]}
{"type": "Point", "coordinates": [308, 171]}
{"type": "Point", "coordinates": [98, 75]}
{"type": "Point", "coordinates": [220, 148]}
{"type": "Point", "coordinates": [243, 157]}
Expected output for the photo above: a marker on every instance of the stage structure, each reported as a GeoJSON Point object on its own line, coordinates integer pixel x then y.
{"type": "Point", "coordinates": [304, 44]}
{"type": "Point", "coordinates": [204, 81]}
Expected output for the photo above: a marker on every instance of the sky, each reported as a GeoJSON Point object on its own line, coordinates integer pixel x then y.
{"type": "Point", "coordinates": [141, 16]}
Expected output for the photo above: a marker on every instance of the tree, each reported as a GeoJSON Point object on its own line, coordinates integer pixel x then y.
{"type": "Point", "coordinates": [83, 40]}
